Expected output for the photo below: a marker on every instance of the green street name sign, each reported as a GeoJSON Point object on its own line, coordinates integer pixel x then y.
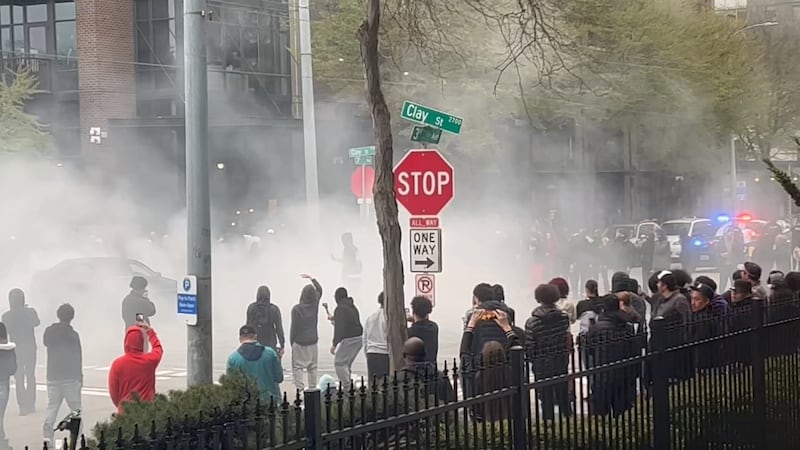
{"type": "Point", "coordinates": [367, 160]}
{"type": "Point", "coordinates": [426, 135]}
{"type": "Point", "coordinates": [362, 151]}
{"type": "Point", "coordinates": [429, 116]}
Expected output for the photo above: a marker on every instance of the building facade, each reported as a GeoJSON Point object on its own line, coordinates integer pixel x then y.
{"type": "Point", "coordinates": [116, 66]}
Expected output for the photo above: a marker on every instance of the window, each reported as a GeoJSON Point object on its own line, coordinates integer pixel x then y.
{"type": "Point", "coordinates": [41, 27]}
{"type": "Point", "coordinates": [251, 40]}
{"type": "Point", "coordinates": [157, 43]}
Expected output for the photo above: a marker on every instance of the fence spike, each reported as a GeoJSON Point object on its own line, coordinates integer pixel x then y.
{"type": "Point", "coordinates": [136, 432]}
{"type": "Point", "coordinates": [119, 437]}
{"type": "Point", "coordinates": [169, 427]}
{"type": "Point", "coordinates": [153, 430]}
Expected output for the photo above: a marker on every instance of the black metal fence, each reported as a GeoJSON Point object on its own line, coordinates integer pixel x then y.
{"type": "Point", "coordinates": [713, 382]}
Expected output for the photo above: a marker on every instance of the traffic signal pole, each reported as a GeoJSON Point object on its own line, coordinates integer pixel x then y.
{"type": "Point", "coordinates": [198, 208]}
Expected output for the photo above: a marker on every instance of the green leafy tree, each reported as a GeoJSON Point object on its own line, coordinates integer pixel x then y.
{"type": "Point", "coordinates": [19, 131]}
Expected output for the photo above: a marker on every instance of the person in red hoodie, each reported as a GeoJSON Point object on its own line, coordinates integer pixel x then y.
{"type": "Point", "coordinates": [135, 371]}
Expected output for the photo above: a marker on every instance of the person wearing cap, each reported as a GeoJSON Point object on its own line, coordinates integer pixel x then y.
{"type": "Point", "coordinates": [719, 305]}
{"type": "Point", "coordinates": [258, 362]}
{"type": "Point", "coordinates": [137, 302]}
{"type": "Point", "coordinates": [705, 325]}
{"type": "Point", "coordinates": [671, 300]}
{"type": "Point", "coordinates": [738, 274]}
{"type": "Point", "coordinates": [752, 273]}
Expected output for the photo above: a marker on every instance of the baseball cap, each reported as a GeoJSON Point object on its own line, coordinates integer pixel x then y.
{"type": "Point", "coordinates": [247, 330]}
{"type": "Point", "coordinates": [704, 289]}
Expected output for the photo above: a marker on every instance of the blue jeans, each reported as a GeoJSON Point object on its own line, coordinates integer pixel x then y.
{"type": "Point", "coordinates": [57, 393]}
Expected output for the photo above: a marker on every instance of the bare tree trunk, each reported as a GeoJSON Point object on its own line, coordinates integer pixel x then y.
{"type": "Point", "coordinates": [385, 202]}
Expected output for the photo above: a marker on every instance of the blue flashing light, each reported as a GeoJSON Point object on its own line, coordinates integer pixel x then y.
{"type": "Point", "coordinates": [723, 218]}
{"type": "Point", "coordinates": [697, 242]}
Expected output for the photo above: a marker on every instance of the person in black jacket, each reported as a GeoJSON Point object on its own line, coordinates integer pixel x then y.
{"type": "Point", "coordinates": [8, 366]}
{"type": "Point", "coordinates": [424, 328]}
{"type": "Point", "coordinates": [137, 302]}
{"type": "Point", "coordinates": [64, 367]}
{"type": "Point", "coordinates": [549, 344]}
{"type": "Point", "coordinates": [21, 321]}
{"type": "Point", "coordinates": [347, 340]}
{"type": "Point", "coordinates": [265, 317]}
{"type": "Point", "coordinates": [609, 340]}
{"type": "Point", "coordinates": [304, 334]}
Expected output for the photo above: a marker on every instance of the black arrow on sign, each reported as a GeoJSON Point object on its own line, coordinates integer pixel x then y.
{"type": "Point", "coordinates": [427, 262]}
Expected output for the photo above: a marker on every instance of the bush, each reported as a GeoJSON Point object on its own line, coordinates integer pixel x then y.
{"type": "Point", "coordinates": [178, 410]}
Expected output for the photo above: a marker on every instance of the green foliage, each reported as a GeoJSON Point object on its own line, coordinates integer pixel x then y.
{"type": "Point", "coordinates": [784, 179]}
{"type": "Point", "coordinates": [682, 80]}
{"type": "Point", "coordinates": [19, 131]}
{"type": "Point", "coordinates": [178, 408]}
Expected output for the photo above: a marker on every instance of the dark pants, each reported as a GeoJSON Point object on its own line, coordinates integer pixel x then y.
{"type": "Point", "coordinates": [25, 379]}
{"type": "Point", "coordinates": [377, 366]}
{"type": "Point", "coordinates": [553, 395]}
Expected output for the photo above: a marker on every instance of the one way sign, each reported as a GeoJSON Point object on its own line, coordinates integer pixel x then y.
{"type": "Point", "coordinates": [426, 250]}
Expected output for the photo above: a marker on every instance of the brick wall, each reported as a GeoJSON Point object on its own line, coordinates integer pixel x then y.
{"type": "Point", "coordinates": [105, 69]}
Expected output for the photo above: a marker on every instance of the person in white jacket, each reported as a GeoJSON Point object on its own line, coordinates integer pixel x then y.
{"type": "Point", "coordinates": [376, 345]}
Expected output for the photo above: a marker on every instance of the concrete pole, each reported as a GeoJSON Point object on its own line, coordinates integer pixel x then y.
{"type": "Point", "coordinates": [309, 126]}
{"type": "Point", "coordinates": [733, 177]}
{"type": "Point", "coordinates": [198, 209]}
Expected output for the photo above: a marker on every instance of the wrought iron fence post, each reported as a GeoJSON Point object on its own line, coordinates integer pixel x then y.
{"type": "Point", "coordinates": [659, 373]}
{"type": "Point", "coordinates": [520, 408]}
{"type": "Point", "coordinates": [759, 371]}
{"type": "Point", "coordinates": [312, 399]}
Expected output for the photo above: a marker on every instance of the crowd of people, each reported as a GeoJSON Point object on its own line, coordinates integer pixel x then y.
{"type": "Point", "coordinates": [610, 327]}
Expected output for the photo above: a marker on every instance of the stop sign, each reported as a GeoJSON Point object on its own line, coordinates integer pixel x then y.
{"type": "Point", "coordinates": [423, 182]}
{"type": "Point", "coordinates": [362, 181]}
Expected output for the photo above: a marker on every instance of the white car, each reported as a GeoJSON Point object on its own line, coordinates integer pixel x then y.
{"type": "Point", "coordinates": [679, 230]}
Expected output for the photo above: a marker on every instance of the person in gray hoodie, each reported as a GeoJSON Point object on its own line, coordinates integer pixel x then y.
{"type": "Point", "coordinates": [8, 366]}
{"type": "Point", "coordinates": [265, 316]}
{"type": "Point", "coordinates": [304, 334]}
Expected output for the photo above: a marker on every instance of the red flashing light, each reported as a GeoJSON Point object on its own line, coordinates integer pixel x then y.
{"type": "Point", "coordinates": [744, 218]}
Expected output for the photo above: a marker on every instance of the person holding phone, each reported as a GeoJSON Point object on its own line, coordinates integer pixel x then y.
{"type": "Point", "coordinates": [134, 373]}
{"type": "Point", "coordinates": [137, 301]}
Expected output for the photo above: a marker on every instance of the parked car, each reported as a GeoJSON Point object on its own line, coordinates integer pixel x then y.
{"type": "Point", "coordinates": [691, 243]}
{"type": "Point", "coordinates": [97, 282]}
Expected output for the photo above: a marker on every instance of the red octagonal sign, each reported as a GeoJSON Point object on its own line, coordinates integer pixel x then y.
{"type": "Point", "coordinates": [423, 182]}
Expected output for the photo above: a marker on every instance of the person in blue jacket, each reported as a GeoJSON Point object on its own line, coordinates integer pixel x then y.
{"type": "Point", "coordinates": [257, 362]}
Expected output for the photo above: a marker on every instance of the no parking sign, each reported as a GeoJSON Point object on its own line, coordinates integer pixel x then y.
{"type": "Point", "coordinates": [425, 284]}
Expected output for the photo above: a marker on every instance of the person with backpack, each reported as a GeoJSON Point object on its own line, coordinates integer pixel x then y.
{"type": "Point", "coordinates": [265, 317]}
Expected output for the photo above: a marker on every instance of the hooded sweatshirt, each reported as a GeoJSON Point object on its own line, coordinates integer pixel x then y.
{"type": "Point", "coordinates": [260, 363]}
{"type": "Point", "coordinates": [135, 371]}
{"type": "Point", "coordinates": [21, 320]}
{"type": "Point", "coordinates": [305, 316]}
{"type": "Point", "coordinates": [8, 361]}
{"type": "Point", "coordinates": [265, 317]}
{"type": "Point", "coordinates": [346, 321]}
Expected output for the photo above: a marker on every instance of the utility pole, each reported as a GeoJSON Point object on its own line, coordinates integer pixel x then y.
{"type": "Point", "coordinates": [199, 361]}
{"type": "Point", "coordinates": [309, 127]}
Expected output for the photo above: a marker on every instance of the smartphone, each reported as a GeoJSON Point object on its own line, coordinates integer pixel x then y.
{"type": "Point", "coordinates": [139, 317]}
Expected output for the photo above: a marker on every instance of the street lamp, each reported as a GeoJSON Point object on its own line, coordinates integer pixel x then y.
{"type": "Point", "coordinates": [220, 166]}
{"type": "Point", "coordinates": [756, 25]}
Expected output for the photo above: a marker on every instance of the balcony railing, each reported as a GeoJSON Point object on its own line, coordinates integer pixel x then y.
{"type": "Point", "coordinates": [51, 74]}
